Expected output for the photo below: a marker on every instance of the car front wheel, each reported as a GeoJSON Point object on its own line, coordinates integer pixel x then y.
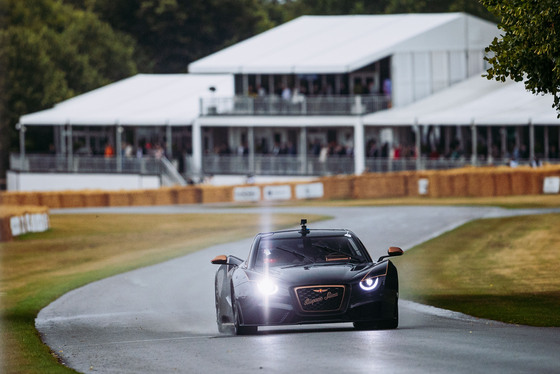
{"type": "Point", "coordinates": [238, 328]}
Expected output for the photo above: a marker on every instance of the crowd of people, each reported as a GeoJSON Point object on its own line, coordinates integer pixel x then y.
{"type": "Point", "coordinates": [148, 149]}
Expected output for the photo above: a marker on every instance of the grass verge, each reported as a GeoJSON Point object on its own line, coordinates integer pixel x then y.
{"type": "Point", "coordinates": [35, 269]}
{"type": "Point", "coordinates": [503, 269]}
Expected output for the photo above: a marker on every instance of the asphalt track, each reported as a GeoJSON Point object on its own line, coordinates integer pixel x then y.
{"type": "Point", "coordinates": [160, 319]}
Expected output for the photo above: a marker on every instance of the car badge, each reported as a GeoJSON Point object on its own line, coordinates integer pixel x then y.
{"type": "Point", "coordinates": [320, 290]}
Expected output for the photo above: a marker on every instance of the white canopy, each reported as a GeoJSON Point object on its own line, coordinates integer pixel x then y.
{"type": "Point", "coordinates": [341, 44]}
{"type": "Point", "coordinates": [474, 101]}
{"type": "Point", "coordinates": [142, 100]}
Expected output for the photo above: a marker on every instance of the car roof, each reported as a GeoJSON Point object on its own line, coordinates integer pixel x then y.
{"type": "Point", "coordinates": [313, 233]}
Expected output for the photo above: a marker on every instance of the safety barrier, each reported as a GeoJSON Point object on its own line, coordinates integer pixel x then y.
{"type": "Point", "coordinates": [21, 219]}
{"type": "Point", "coordinates": [465, 182]}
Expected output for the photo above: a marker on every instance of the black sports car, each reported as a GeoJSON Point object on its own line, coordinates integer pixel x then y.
{"type": "Point", "coordinates": [306, 276]}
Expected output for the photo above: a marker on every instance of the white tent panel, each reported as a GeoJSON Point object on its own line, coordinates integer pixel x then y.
{"type": "Point", "coordinates": [445, 100]}
{"type": "Point", "coordinates": [339, 44]}
{"type": "Point", "coordinates": [140, 100]}
{"type": "Point", "coordinates": [509, 104]}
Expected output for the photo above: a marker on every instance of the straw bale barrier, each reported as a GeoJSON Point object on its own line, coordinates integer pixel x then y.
{"type": "Point", "coordinates": [464, 182]}
{"type": "Point", "coordinates": [187, 195]}
{"type": "Point", "coordinates": [216, 194]}
{"type": "Point", "coordinates": [371, 186]}
{"type": "Point", "coordinates": [72, 199]}
{"type": "Point", "coordinates": [118, 198]}
{"type": "Point", "coordinates": [50, 199]}
{"type": "Point", "coordinates": [94, 198]}
{"type": "Point", "coordinates": [20, 219]}
{"type": "Point", "coordinates": [338, 187]}
{"type": "Point", "coordinates": [142, 197]}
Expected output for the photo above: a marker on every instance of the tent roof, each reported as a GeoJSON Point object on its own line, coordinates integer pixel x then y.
{"type": "Point", "coordinates": [476, 100]}
{"type": "Point", "coordinates": [143, 99]}
{"type": "Point", "coordinates": [341, 44]}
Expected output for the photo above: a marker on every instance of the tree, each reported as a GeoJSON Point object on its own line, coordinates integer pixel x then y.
{"type": "Point", "coordinates": [50, 52]}
{"type": "Point", "coordinates": [173, 33]}
{"type": "Point", "coordinates": [529, 49]}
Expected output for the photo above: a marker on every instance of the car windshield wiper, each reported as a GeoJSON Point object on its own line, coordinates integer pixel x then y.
{"type": "Point", "coordinates": [332, 250]}
{"type": "Point", "coordinates": [295, 253]}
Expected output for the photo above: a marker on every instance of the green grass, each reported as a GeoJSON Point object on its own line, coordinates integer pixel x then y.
{"type": "Point", "coordinates": [35, 269]}
{"type": "Point", "coordinates": [502, 269]}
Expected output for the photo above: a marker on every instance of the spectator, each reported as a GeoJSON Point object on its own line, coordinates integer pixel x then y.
{"type": "Point", "coordinates": [109, 150]}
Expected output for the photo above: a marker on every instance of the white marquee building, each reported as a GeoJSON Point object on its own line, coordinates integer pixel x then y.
{"type": "Point", "coordinates": [317, 95]}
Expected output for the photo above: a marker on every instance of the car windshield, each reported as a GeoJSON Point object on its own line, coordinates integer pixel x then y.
{"type": "Point", "coordinates": [274, 252]}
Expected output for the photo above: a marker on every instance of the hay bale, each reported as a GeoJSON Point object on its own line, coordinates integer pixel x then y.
{"type": "Point", "coordinates": [141, 197]}
{"type": "Point", "coordinates": [29, 198]}
{"type": "Point", "coordinates": [10, 198]}
{"type": "Point", "coordinates": [5, 230]}
{"type": "Point", "coordinates": [188, 195]}
{"type": "Point", "coordinates": [338, 187]}
{"type": "Point", "coordinates": [50, 199]}
{"type": "Point", "coordinates": [481, 184]}
{"type": "Point", "coordinates": [460, 182]}
{"type": "Point", "coordinates": [217, 194]}
{"type": "Point", "coordinates": [411, 183]}
{"type": "Point", "coordinates": [165, 196]}
{"type": "Point", "coordinates": [71, 199]}
{"type": "Point", "coordinates": [118, 198]}
{"type": "Point", "coordinates": [503, 182]}
{"type": "Point", "coordinates": [95, 198]}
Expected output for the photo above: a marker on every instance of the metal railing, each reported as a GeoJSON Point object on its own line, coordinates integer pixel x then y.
{"type": "Point", "coordinates": [286, 165]}
{"type": "Point", "coordinates": [97, 164]}
{"type": "Point", "coordinates": [298, 105]}
{"type": "Point", "coordinates": [274, 165]}
{"type": "Point", "coordinates": [297, 165]}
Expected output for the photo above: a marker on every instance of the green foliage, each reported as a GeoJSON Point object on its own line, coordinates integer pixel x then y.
{"type": "Point", "coordinates": [172, 33]}
{"type": "Point", "coordinates": [528, 50]}
{"type": "Point", "coordinates": [51, 52]}
{"type": "Point", "coordinates": [281, 11]}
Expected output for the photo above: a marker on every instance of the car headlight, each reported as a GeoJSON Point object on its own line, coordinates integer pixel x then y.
{"type": "Point", "coordinates": [267, 287]}
{"type": "Point", "coordinates": [369, 284]}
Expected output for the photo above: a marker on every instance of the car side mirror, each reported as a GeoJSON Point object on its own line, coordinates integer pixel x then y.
{"type": "Point", "coordinates": [227, 260]}
{"type": "Point", "coordinates": [392, 252]}
{"type": "Point", "coordinates": [220, 260]}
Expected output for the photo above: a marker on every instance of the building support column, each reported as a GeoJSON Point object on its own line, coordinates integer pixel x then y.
{"type": "Point", "coordinates": [474, 143]}
{"type": "Point", "coordinates": [303, 149]}
{"type": "Point", "coordinates": [489, 145]}
{"type": "Point", "coordinates": [197, 149]}
{"type": "Point", "coordinates": [503, 141]}
{"type": "Point", "coordinates": [168, 142]}
{"type": "Point", "coordinates": [418, 144]}
{"type": "Point", "coordinates": [251, 145]}
{"type": "Point", "coordinates": [118, 146]}
{"type": "Point", "coordinates": [359, 147]}
{"type": "Point", "coordinates": [70, 147]}
{"type": "Point", "coordinates": [62, 140]}
{"type": "Point", "coordinates": [22, 130]}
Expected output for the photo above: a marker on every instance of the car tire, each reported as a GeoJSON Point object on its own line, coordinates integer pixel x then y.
{"type": "Point", "coordinates": [388, 324]}
{"type": "Point", "coordinates": [238, 328]}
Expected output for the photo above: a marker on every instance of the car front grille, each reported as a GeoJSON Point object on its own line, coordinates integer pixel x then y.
{"type": "Point", "coordinates": [320, 298]}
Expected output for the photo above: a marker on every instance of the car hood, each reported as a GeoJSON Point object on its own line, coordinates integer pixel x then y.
{"type": "Point", "coordinates": [320, 273]}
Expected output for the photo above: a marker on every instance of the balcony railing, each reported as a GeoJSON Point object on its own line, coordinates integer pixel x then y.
{"type": "Point", "coordinates": [298, 105]}
{"type": "Point", "coordinates": [284, 165]}
{"type": "Point", "coordinates": [314, 166]}
{"type": "Point", "coordinates": [97, 164]}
